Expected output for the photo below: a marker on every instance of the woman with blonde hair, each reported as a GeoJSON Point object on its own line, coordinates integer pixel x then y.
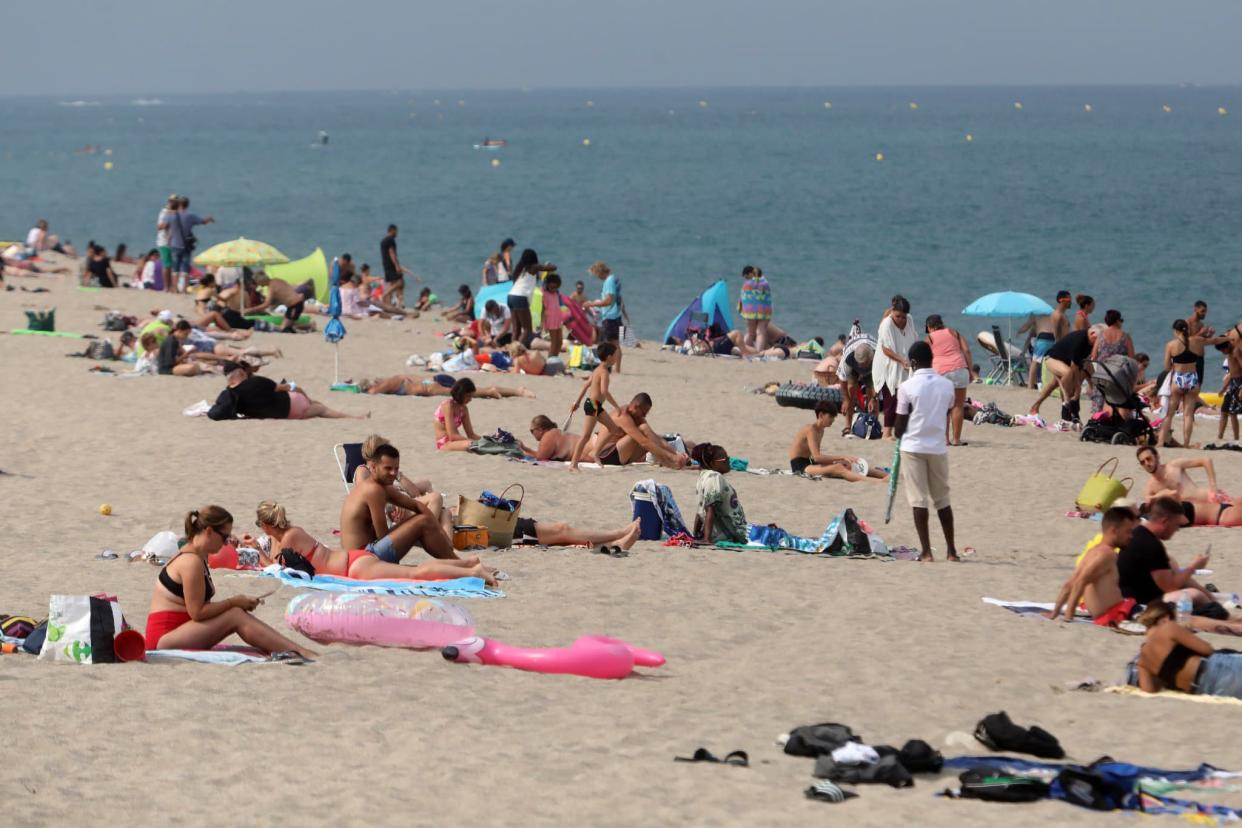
{"type": "Point", "coordinates": [184, 614]}
{"type": "Point", "coordinates": [526, 361]}
{"type": "Point", "coordinates": [360, 564]}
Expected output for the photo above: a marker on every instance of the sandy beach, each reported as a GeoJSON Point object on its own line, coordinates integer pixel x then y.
{"type": "Point", "coordinates": [757, 643]}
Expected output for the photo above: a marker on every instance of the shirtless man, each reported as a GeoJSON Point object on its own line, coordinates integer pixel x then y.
{"type": "Point", "coordinates": [1171, 479]}
{"type": "Point", "coordinates": [365, 526]}
{"type": "Point", "coordinates": [554, 444]}
{"type": "Point", "coordinates": [280, 292]}
{"type": "Point", "coordinates": [806, 458]}
{"type": "Point", "coordinates": [1096, 580]}
{"type": "Point", "coordinates": [1046, 330]}
{"type": "Point", "coordinates": [634, 439]}
{"type": "Point", "coordinates": [1197, 326]}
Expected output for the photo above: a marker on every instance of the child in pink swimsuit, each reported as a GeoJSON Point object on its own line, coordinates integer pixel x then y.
{"type": "Point", "coordinates": [553, 314]}
{"type": "Point", "coordinates": [462, 392]}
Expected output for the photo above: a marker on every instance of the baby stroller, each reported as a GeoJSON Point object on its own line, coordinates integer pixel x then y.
{"type": "Point", "coordinates": [1122, 421]}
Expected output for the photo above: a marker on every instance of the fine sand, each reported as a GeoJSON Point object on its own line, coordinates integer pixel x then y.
{"type": "Point", "coordinates": [757, 643]}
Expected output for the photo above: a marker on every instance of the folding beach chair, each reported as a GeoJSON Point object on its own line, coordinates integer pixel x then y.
{"type": "Point", "coordinates": [348, 459]}
{"type": "Point", "coordinates": [1009, 367]}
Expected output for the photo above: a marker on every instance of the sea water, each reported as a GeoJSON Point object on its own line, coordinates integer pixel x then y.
{"type": "Point", "coordinates": [1136, 201]}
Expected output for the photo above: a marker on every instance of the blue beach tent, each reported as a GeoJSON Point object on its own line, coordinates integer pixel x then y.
{"type": "Point", "coordinates": [712, 304]}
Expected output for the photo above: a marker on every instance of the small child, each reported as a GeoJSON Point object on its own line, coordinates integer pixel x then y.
{"type": "Point", "coordinates": [426, 299]}
{"type": "Point", "coordinates": [596, 392]}
{"type": "Point", "coordinates": [553, 315]}
{"type": "Point", "coordinates": [1231, 390]}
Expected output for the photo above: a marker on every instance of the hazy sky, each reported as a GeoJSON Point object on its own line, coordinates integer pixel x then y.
{"type": "Point", "coordinates": [80, 47]}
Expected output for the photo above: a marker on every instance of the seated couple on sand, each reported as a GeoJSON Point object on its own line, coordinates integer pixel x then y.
{"type": "Point", "coordinates": [1129, 567]}
{"type": "Point", "coordinates": [1204, 507]}
{"type": "Point", "coordinates": [805, 457]}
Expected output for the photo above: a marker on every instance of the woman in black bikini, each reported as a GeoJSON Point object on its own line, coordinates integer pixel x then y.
{"type": "Point", "coordinates": [1181, 356]}
{"type": "Point", "coordinates": [1174, 658]}
{"type": "Point", "coordinates": [183, 614]}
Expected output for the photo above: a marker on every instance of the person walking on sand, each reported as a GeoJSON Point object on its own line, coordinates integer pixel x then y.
{"type": "Point", "coordinates": [394, 271]}
{"type": "Point", "coordinates": [1082, 319]}
{"type": "Point", "coordinates": [163, 239]}
{"type": "Point", "coordinates": [1182, 355]}
{"type": "Point", "coordinates": [609, 303]}
{"type": "Point", "coordinates": [755, 306]}
{"type": "Point", "coordinates": [891, 366]}
{"type": "Point", "coordinates": [1043, 332]}
{"type": "Point", "coordinates": [951, 360]}
{"type": "Point", "coordinates": [181, 239]}
{"type": "Point", "coordinates": [596, 392]}
{"type": "Point", "coordinates": [525, 278]}
{"type": "Point", "coordinates": [923, 403]}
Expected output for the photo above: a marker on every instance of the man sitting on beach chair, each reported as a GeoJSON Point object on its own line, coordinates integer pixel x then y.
{"type": "Point", "coordinates": [364, 524]}
{"type": "Point", "coordinates": [806, 458]}
{"type": "Point", "coordinates": [633, 439]}
{"type": "Point", "coordinates": [1096, 581]}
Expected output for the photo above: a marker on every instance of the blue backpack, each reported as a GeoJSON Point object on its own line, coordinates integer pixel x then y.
{"type": "Point", "coordinates": [866, 426]}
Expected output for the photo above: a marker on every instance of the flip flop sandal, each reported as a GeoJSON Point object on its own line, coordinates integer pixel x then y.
{"type": "Point", "coordinates": [827, 791]}
{"type": "Point", "coordinates": [289, 657]}
{"type": "Point", "coordinates": [501, 575]}
{"type": "Point", "coordinates": [612, 551]}
{"type": "Point", "coordinates": [737, 758]}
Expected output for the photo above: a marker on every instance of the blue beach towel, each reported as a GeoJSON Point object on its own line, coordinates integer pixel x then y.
{"type": "Point", "coordinates": [453, 588]}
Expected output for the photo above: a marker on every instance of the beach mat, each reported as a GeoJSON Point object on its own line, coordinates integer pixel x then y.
{"type": "Point", "coordinates": [229, 656]}
{"type": "Point", "coordinates": [1033, 609]}
{"type": "Point", "coordinates": [453, 588]}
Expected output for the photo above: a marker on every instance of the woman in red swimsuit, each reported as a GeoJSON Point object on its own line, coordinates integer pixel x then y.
{"type": "Point", "coordinates": [358, 563]}
{"type": "Point", "coordinates": [183, 614]}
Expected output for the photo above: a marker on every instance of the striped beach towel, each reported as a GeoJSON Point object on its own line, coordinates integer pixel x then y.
{"type": "Point", "coordinates": [453, 588]}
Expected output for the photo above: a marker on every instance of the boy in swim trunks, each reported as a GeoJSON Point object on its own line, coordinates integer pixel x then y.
{"type": "Point", "coordinates": [364, 524]}
{"type": "Point", "coordinates": [1095, 580]}
{"type": "Point", "coordinates": [596, 392]}
{"type": "Point", "coordinates": [805, 457]}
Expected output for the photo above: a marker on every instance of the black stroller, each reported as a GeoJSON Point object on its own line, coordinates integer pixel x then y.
{"type": "Point", "coordinates": [1123, 422]}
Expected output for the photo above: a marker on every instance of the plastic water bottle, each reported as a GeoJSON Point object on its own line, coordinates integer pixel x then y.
{"type": "Point", "coordinates": [1185, 608]}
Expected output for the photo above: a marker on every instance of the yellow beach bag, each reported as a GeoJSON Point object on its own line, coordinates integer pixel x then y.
{"type": "Point", "coordinates": [1102, 489]}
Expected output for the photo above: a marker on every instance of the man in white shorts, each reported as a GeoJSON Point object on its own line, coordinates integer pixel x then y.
{"type": "Point", "coordinates": [923, 403]}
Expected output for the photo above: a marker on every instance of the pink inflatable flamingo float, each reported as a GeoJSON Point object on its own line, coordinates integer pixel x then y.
{"type": "Point", "coordinates": [593, 656]}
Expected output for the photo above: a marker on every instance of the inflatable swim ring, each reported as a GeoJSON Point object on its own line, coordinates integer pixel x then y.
{"type": "Point", "coordinates": [1212, 398]}
{"type": "Point", "coordinates": [592, 656]}
{"type": "Point", "coordinates": [806, 395]}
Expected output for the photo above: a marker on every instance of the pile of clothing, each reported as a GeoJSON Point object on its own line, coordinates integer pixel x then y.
{"type": "Point", "coordinates": [843, 757]}
{"type": "Point", "coordinates": [989, 413]}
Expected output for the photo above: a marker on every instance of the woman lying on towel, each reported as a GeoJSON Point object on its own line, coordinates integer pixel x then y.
{"type": "Point", "coordinates": [358, 563]}
{"type": "Point", "coordinates": [1174, 658]}
{"type": "Point", "coordinates": [420, 490]}
{"type": "Point", "coordinates": [405, 385]}
{"type": "Point", "coordinates": [183, 614]}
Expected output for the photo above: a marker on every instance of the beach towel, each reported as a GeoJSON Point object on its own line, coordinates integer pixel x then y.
{"type": "Point", "coordinates": [452, 588]}
{"type": "Point", "coordinates": [1033, 609]}
{"type": "Point", "coordinates": [662, 498]}
{"type": "Point", "coordinates": [490, 445]}
{"type": "Point", "coordinates": [1127, 690]}
{"type": "Point", "coordinates": [226, 656]}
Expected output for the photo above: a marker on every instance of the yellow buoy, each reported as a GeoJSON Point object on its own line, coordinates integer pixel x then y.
{"type": "Point", "coordinates": [827, 104]}
{"type": "Point", "coordinates": [105, 509]}
{"type": "Point", "coordinates": [913, 105]}
{"type": "Point", "coordinates": [1017, 104]}
{"type": "Point", "coordinates": [107, 165]}
{"type": "Point", "coordinates": [969, 137]}
{"type": "Point", "coordinates": [1220, 110]}
{"type": "Point", "coordinates": [1167, 108]}
{"type": "Point", "coordinates": [879, 156]}
{"type": "Point", "coordinates": [495, 162]}
{"type": "Point", "coordinates": [586, 142]}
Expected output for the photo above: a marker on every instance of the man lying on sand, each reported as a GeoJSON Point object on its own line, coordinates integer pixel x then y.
{"type": "Point", "coordinates": [634, 439]}
{"type": "Point", "coordinates": [364, 524]}
{"type": "Point", "coordinates": [806, 458]}
{"type": "Point", "coordinates": [1095, 580]}
{"type": "Point", "coordinates": [1204, 507]}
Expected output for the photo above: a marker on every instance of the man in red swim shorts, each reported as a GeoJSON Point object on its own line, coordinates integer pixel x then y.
{"type": "Point", "coordinates": [1096, 581]}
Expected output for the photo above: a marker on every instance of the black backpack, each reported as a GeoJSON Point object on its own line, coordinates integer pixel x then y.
{"type": "Point", "coordinates": [995, 785]}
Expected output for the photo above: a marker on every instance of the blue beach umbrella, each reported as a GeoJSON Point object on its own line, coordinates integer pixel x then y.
{"type": "Point", "coordinates": [1008, 305]}
{"type": "Point", "coordinates": [334, 331]}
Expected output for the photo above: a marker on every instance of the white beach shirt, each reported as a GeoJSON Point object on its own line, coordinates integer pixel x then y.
{"type": "Point", "coordinates": [927, 398]}
{"type": "Point", "coordinates": [889, 372]}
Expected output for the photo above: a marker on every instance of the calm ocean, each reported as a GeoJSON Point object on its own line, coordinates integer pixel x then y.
{"type": "Point", "coordinates": [1138, 206]}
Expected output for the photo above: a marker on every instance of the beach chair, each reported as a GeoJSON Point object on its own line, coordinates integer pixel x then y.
{"type": "Point", "coordinates": [1009, 367]}
{"type": "Point", "coordinates": [348, 459]}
